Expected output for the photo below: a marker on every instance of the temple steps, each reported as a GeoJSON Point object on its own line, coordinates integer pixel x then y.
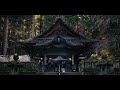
{"type": "Point", "coordinates": [62, 73]}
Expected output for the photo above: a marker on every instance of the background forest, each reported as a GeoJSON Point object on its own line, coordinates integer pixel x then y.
{"type": "Point", "coordinates": [105, 28]}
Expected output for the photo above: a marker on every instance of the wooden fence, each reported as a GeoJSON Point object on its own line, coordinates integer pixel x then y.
{"type": "Point", "coordinates": [85, 68]}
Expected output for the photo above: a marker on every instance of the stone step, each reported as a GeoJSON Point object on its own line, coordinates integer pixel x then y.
{"type": "Point", "coordinates": [57, 73]}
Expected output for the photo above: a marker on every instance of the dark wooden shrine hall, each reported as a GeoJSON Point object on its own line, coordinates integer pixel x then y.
{"type": "Point", "coordinates": [60, 42]}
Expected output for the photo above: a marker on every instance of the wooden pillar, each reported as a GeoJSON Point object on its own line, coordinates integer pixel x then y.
{"type": "Point", "coordinates": [72, 59]}
{"type": "Point", "coordinates": [45, 59]}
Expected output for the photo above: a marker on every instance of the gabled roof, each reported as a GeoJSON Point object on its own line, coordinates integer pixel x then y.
{"type": "Point", "coordinates": [72, 38]}
{"type": "Point", "coordinates": [59, 22]}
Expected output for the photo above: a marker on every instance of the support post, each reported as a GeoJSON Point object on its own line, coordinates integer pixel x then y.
{"type": "Point", "coordinates": [72, 59]}
{"type": "Point", "coordinates": [45, 59]}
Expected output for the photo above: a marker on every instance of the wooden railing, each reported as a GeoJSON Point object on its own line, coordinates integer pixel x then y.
{"type": "Point", "coordinates": [85, 68]}
{"type": "Point", "coordinates": [88, 67]}
{"type": "Point", "coordinates": [28, 68]}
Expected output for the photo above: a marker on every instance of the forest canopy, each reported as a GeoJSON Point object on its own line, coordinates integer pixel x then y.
{"type": "Point", "coordinates": [14, 28]}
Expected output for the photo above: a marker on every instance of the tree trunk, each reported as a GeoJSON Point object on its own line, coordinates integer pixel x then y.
{"type": "Point", "coordinates": [33, 27]}
{"type": "Point", "coordinates": [43, 22]}
{"type": "Point", "coordinates": [82, 30]}
{"type": "Point", "coordinates": [6, 36]}
{"type": "Point", "coordinates": [40, 24]}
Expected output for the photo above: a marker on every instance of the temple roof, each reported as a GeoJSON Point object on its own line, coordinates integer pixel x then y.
{"type": "Point", "coordinates": [58, 25]}
{"type": "Point", "coordinates": [59, 31]}
{"type": "Point", "coordinates": [67, 40]}
{"type": "Point", "coordinates": [22, 58]}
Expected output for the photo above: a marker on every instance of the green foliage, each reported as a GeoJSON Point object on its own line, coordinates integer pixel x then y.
{"type": "Point", "coordinates": [49, 19]}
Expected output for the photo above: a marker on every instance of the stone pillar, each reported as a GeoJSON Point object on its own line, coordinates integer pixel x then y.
{"type": "Point", "coordinates": [72, 59]}
{"type": "Point", "coordinates": [45, 59]}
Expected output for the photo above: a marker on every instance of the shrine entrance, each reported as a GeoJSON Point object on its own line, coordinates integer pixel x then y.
{"type": "Point", "coordinates": [58, 48]}
{"type": "Point", "coordinates": [58, 63]}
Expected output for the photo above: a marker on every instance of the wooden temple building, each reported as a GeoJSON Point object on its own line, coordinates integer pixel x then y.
{"type": "Point", "coordinates": [59, 43]}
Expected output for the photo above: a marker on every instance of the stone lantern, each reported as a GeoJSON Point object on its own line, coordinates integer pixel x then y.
{"type": "Point", "coordinates": [81, 59]}
{"type": "Point", "coordinates": [16, 57]}
{"type": "Point", "coordinates": [15, 65]}
{"type": "Point", "coordinates": [104, 65]}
